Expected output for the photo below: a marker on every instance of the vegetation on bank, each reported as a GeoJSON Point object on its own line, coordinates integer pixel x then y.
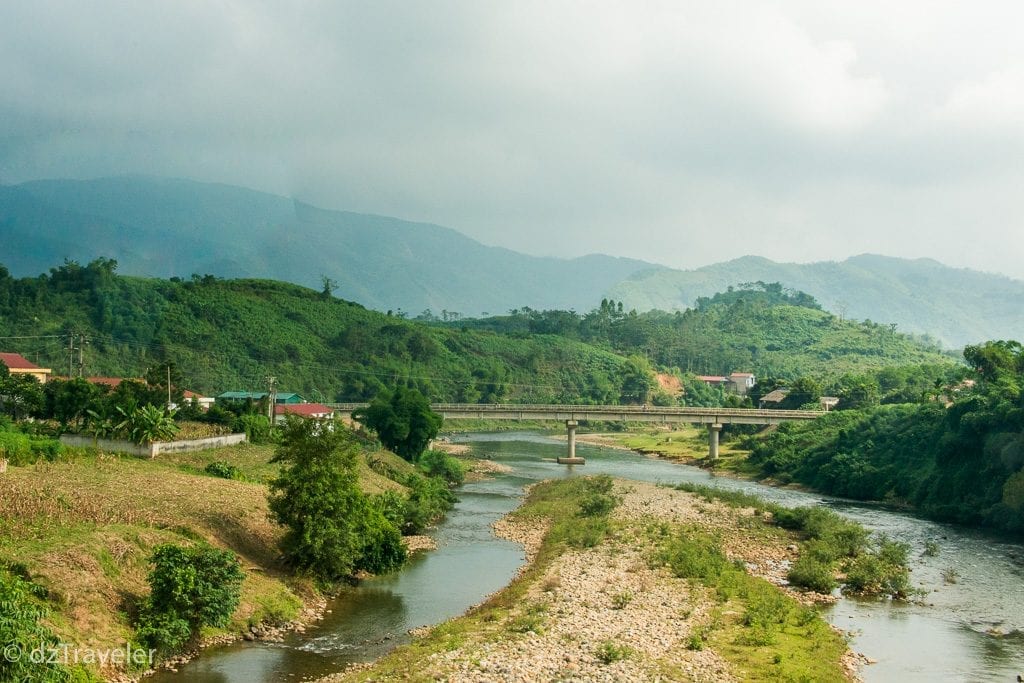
{"type": "Point", "coordinates": [961, 462]}
{"type": "Point", "coordinates": [831, 547]}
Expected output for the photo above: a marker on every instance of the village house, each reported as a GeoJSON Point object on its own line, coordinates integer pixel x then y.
{"type": "Point", "coordinates": [773, 398]}
{"type": "Point", "coordinates": [741, 382]}
{"type": "Point", "coordinates": [313, 411]}
{"type": "Point", "coordinates": [19, 365]}
{"type": "Point", "coordinates": [236, 397]}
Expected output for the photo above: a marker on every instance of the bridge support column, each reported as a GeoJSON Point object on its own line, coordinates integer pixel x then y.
{"type": "Point", "coordinates": [713, 432]}
{"type": "Point", "coordinates": [571, 459]}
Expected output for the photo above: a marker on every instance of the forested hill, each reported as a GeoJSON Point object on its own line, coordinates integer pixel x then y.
{"type": "Point", "coordinates": [767, 330]}
{"type": "Point", "coordinates": [232, 334]}
{"type": "Point", "coordinates": [957, 306]}
{"type": "Point", "coordinates": [159, 227]}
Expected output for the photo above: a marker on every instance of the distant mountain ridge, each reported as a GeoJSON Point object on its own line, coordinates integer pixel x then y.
{"type": "Point", "coordinates": [169, 227]}
{"type": "Point", "coordinates": [957, 306]}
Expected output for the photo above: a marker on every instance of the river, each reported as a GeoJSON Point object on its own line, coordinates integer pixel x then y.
{"type": "Point", "coordinates": [954, 635]}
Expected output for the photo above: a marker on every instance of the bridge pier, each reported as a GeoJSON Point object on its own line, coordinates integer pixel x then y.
{"type": "Point", "coordinates": [713, 431]}
{"type": "Point", "coordinates": [571, 459]}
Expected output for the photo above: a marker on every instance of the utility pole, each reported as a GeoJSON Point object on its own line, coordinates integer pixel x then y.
{"type": "Point", "coordinates": [81, 355]}
{"type": "Point", "coordinates": [71, 355]}
{"type": "Point", "coordinates": [168, 386]}
{"type": "Point", "coordinates": [271, 398]}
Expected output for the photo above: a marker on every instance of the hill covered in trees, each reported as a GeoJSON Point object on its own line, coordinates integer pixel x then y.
{"type": "Point", "coordinates": [956, 306]}
{"type": "Point", "coordinates": [233, 334]}
{"type": "Point", "coordinates": [765, 329]}
{"type": "Point", "coordinates": [161, 227]}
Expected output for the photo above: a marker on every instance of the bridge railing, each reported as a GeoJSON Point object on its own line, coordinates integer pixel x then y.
{"type": "Point", "coordinates": [605, 409]}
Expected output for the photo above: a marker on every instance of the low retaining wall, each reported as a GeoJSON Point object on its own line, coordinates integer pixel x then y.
{"type": "Point", "coordinates": [154, 449]}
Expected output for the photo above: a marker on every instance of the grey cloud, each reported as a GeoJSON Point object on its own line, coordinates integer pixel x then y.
{"type": "Point", "coordinates": [678, 132]}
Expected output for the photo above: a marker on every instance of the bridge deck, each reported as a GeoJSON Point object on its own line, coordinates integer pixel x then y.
{"type": "Point", "coordinates": [626, 413]}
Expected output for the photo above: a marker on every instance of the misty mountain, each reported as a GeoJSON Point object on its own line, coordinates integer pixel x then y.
{"type": "Point", "coordinates": [164, 227]}
{"type": "Point", "coordinates": [955, 305]}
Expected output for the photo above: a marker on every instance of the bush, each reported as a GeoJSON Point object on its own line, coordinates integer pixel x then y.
{"type": "Point", "coordinates": [256, 427]}
{"type": "Point", "coordinates": [429, 500]}
{"type": "Point", "coordinates": [597, 504]}
{"type": "Point", "coordinates": [224, 470]}
{"type": "Point", "coordinates": [21, 449]}
{"type": "Point", "coordinates": [609, 652]}
{"type": "Point", "coordinates": [810, 572]}
{"type": "Point", "coordinates": [439, 464]}
{"type": "Point", "coordinates": [190, 587]}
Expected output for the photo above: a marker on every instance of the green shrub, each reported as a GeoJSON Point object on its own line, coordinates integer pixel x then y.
{"type": "Point", "coordinates": [429, 500]}
{"type": "Point", "coordinates": [256, 427]}
{"type": "Point", "coordinates": [609, 652]}
{"type": "Point", "coordinates": [810, 572]}
{"type": "Point", "coordinates": [439, 464]}
{"type": "Point", "coordinates": [333, 528]}
{"type": "Point", "coordinates": [224, 470]}
{"type": "Point", "coordinates": [597, 504]}
{"type": "Point", "coordinates": [22, 449]}
{"type": "Point", "coordinates": [190, 587]}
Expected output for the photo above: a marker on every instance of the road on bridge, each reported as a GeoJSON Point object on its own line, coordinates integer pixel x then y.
{"type": "Point", "coordinates": [714, 418]}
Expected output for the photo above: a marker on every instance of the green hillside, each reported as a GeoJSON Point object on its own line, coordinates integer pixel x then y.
{"type": "Point", "coordinates": [232, 334]}
{"type": "Point", "coordinates": [766, 330]}
{"type": "Point", "coordinates": [957, 306]}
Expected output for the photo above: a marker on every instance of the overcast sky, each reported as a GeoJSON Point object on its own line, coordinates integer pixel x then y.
{"type": "Point", "coordinates": [679, 132]}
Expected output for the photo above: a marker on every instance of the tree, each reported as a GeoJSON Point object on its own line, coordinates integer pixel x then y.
{"type": "Point", "coordinates": [403, 421]}
{"type": "Point", "coordinates": [333, 530]}
{"type": "Point", "coordinates": [20, 395]}
{"type": "Point", "coordinates": [637, 380]}
{"type": "Point", "coordinates": [189, 588]}
{"type": "Point", "coordinates": [68, 400]}
{"type": "Point", "coordinates": [329, 285]}
{"type": "Point", "coordinates": [156, 378]}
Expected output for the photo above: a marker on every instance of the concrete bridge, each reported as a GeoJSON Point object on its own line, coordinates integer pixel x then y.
{"type": "Point", "coordinates": [571, 415]}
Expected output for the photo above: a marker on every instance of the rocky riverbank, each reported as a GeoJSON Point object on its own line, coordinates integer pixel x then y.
{"type": "Point", "coordinates": [605, 613]}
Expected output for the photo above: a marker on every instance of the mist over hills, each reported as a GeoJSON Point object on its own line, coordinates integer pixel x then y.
{"type": "Point", "coordinates": [163, 228]}
{"type": "Point", "coordinates": [168, 227]}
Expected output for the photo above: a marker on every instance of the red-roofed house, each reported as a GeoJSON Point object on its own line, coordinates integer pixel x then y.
{"type": "Point", "coordinates": [112, 382]}
{"type": "Point", "coordinates": [203, 402]}
{"type": "Point", "coordinates": [315, 411]}
{"type": "Point", "coordinates": [19, 365]}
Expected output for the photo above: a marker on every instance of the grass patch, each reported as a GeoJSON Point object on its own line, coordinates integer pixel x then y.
{"type": "Point", "coordinates": [609, 652]}
{"type": "Point", "coordinates": [759, 629]}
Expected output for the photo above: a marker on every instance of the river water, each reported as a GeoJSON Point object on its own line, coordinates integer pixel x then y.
{"type": "Point", "coordinates": [970, 630]}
